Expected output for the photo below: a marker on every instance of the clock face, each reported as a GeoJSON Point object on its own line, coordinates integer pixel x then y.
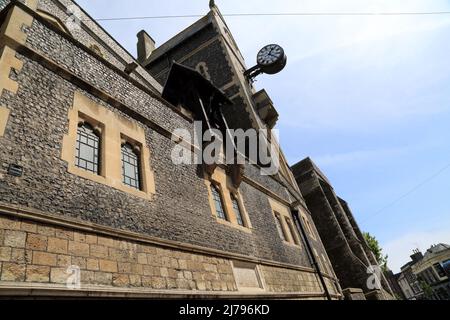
{"type": "Point", "coordinates": [270, 54]}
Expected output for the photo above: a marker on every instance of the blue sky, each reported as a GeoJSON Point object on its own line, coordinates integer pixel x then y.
{"type": "Point", "coordinates": [366, 97]}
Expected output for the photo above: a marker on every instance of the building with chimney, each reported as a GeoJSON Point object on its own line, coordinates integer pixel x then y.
{"type": "Point", "coordinates": [91, 201]}
{"type": "Point", "coordinates": [408, 281]}
{"type": "Point", "coordinates": [432, 271]}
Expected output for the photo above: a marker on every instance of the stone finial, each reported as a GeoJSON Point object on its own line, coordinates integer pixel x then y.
{"type": "Point", "coordinates": [212, 4]}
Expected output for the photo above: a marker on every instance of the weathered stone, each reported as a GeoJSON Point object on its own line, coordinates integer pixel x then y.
{"type": "Point", "coordinates": [46, 231]}
{"type": "Point", "coordinates": [37, 273]}
{"type": "Point", "coordinates": [158, 283]}
{"type": "Point", "coordinates": [92, 264]}
{"type": "Point", "coordinates": [108, 265]}
{"type": "Point", "coordinates": [87, 277]}
{"type": "Point", "coordinates": [9, 224]}
{"type": "Point", "coordinates": [142, 258]}
{"type": "Point", "coordinates": [57, 245]}
{"type": "Point", "coordinates": [124, 267]}
{"type": "Point", "coordinates": [44, 258]}
{"type": "Point", "coordinates": [201, 285]}
{"type": "Point", "coordinates": [91, 239]}
{"type": "Point", "coordinates": [135, 280]}
{"type": "Point", "coordinates": [64, 234]}
{"type": "Point", "coordinates": [18, 256]}
{"type": "Point", "coordinates": [5, 254]}
{"type": "Point", "coordinates": [28, 227]}
{"type": "Point", "coordinates": [15, 239]}
{"type": "Point", "coordinates": [107, 242]}
{"type": "Point", "coordinates": [103, 278]}
{"type": "Point", "coordinates": [79, 237]}
{"type": "Point", "coordinates": [78, 249]}
{"type": "Point", "coordinates": [63, 260]}
{"type": "Point", "coordinates": [99, 251]}
{"type": "Point", "coordinates": [183, 284]}
{"type": "Point", "coordinates": [80, 262]}
{"type": "Point", "coordinates": [59, 275]}
{"type": "Point", "coordinates": [36, 242]}
{"type": "Point", "coordinates": [120, 280]}
{"type": "Point", "coordinates": [13, 272]}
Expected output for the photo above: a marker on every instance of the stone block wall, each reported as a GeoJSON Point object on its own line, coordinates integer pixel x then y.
{"type": "Point", "coordinates": [35, 253]}
{"type": "Point", "coordinates": [39, 253]}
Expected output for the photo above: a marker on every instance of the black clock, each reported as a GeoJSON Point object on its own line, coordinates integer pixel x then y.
{"type": "Point", "coordinates": [271, 59]}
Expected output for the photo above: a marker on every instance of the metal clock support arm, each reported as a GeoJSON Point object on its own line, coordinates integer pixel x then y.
{"type": "Point", "coordinates": [253, 72]}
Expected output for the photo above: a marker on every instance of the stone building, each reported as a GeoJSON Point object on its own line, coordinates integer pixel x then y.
{"type": "Point", "coordinates": [408, 281]}
{"type": "Point", "coordinates": [348, 251]}
{"type": "Point", "coordinates": [91, 202]}
{"type": "Point", "coordinates": [432, 272]}
{"type": "Point", "coordinates": [393, 280]}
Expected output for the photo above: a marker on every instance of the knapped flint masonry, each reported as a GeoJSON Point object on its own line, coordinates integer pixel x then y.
{"type": "Point", "coordinates": [98, 196]}
{"type": "Point", "coordinates": [89, 127]}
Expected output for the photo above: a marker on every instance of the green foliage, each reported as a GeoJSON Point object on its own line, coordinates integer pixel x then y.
{"type": "Point", "coordinates": [377, 250]}
{"type": "Point", "coordinates": [427, 290]}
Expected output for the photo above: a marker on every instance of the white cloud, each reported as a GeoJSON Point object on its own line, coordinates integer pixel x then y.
{"type": "Point", "coordinates": [401, 248]}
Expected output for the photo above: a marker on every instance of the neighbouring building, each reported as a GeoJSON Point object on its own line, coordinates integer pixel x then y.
{"type": "Point", "coordinates": [91, 203]}
{"type": "Point", "coordinates": [408, 280]}
{"type": "Point", "coordinates": [433, 272]}
{"type": "Point", "coordinates": [347, 249]}
{"type": "Point", "coordinates": [393, 280]}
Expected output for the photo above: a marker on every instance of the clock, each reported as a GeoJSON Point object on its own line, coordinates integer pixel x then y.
{"type": "Point", "coordinates": [271, 59]}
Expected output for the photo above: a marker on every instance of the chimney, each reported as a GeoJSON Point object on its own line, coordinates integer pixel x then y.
{"type": "Point", "coordinates": [417, 256]}
{"type": "Point", "coordinates": [145, 46]}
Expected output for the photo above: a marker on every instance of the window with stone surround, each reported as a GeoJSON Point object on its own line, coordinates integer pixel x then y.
{"type": "Point", "coordinates": [226, 201]}
{"type": "Point", "coordinates": [131, 165]}
{"type": "Point", "coordinates": [283, 222]}
{"type": "Point", "coordinates": [218, 202]}
{"type": "Point", "coordinates": [87, 148]}
{"type": "Point", "coordinates": [102, 146]}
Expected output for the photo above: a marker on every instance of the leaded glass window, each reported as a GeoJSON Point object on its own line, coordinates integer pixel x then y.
{"type": "Point", "coordinates": [130, 166]}
{"type": "Point", "coordinates": [87, 149]}
{"type": "Point", "coordinates": [218, 203]}
{"type": "Point", "coordinates": [237, 210]}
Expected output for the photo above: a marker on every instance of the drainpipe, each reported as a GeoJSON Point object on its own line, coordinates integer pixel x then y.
{"type": "Point", "coordinates": [295, 214]}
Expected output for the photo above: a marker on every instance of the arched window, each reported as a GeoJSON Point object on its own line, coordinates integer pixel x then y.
{"type": "Point", "coordinates": [292, 230]}
{"type": "Point", "coordinates": [130, 166]}
{"type": "Point", "coordinates": [87, 148]}
{"type": "Point", "coordinates": [280, 227]}
{"type": "Point", "coordinates": [237, 210]}
{"type": "Point", "coordinates": [218, 202]}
